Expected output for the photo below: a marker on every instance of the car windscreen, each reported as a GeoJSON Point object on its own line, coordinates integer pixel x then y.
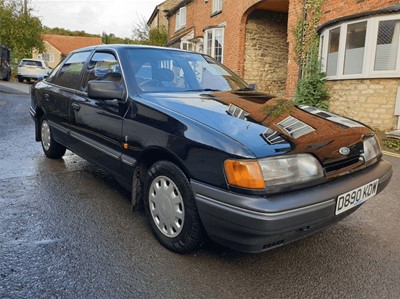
{"type": "Point", "coordinates": [161, 70]}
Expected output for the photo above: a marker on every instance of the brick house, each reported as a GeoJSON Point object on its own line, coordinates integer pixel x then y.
{"type": "Point", "coordinates": [158, 18]}
{"type": "Point", "coordinates": [360, 48]}
{"type": "Point", "coordinates": [57, 47]}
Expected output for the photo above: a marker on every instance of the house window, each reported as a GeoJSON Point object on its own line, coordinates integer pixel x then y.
{"type": "Point", "coordinates": [367, 48]}
{"type": "Point", "coordinates": [185, 45]}
{"type": "Point", "coordinates": [180, 21]}
{"type": "Point", "coordinates": [355, 47]}
{"type": "Point", "coordinates": [216, 6]}
{"type": "Point", "coordinates": [48, 57]}
{"type": "Point", "coordinates": [333, 51]}
{"type": "Point", "coordinates": [387, 45]}
{"type": "Point", "coordinates": [214, 43]}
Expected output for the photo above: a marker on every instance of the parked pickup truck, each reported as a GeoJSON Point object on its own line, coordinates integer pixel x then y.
{"type": "Point", "coordinates": [202, 151]}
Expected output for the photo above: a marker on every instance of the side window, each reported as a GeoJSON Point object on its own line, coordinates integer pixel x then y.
{"type": "Point", "coordinates": [68, 74]}
{"type": "Point", "coordinates": [102, 66]}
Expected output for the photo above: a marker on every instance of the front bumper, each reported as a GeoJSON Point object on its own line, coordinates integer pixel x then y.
{"type": "Point", "coordinates": [254, 224]}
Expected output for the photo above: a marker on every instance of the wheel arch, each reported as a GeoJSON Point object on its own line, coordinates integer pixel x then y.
{"type": "Point", "coordinates": [147, 159]}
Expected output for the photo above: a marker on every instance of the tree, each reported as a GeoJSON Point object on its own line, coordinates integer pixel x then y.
{"type": "Point", "coordinates": [20, 31]}
{"type": "Point", "coordinates": [62, 31]}
{"type": "Point", "coordinates": [142, 34]}
{"type": "Point", "coordinates": [158, 36]}
{"type": "Point", "coordinates": [112, 39]}
{"type": "Point", "coordinates": [140, 31]}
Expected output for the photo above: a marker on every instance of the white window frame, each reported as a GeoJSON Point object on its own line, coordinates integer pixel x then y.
{"type": "Point", "coordinates": [188, 45]}
{"type": "Point", "coordinates": [369, 54]}
{"type": "Point", "coordinates": [214, 31]}
{"type": "Point", "coordinates": [180, 18]}
{"type": "Point", "coordinates": [216, 6]}
{"type": "Point", "coordinates": [50, 55]}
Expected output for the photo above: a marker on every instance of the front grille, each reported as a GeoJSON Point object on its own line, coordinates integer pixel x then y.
{"type": "Point", "coordinates": [343, 164]}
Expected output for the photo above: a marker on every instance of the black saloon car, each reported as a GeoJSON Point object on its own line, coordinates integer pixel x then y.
{"type": "Point", "coordinates": [201, 151]}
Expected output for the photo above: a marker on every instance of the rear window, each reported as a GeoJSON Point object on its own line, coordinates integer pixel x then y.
{"type": "Point", "coordinates": [30, 63]}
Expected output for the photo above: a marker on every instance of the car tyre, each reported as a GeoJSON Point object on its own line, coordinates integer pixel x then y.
{"type": "Point", "coordinates": [171, 209]}
{"type": "Point", "coordinates": [51, 148]}
{"type": "Point", "coordinates": [20, 80]}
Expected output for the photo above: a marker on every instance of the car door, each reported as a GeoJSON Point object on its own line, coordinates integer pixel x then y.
{"type": "Point", "coordinates": [57, 92]}
{"type": "Point", "coordinates": [96, 124]}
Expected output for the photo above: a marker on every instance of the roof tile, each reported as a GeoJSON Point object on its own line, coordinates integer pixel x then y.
{"type": "Point", "coordinates": [65, 44]}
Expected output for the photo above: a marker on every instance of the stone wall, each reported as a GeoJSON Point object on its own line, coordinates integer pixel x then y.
{"type": "Point", "coordinates": [266, 51]}
{"type": "Point", "coordinates": [369, 101]}
{"type": "Point", "coordinates": [199, 16]}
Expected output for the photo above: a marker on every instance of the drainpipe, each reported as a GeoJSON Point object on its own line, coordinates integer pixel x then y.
{"type": "Point", "coordinates": [397, 108]}
{"type": "Point", "coordinates": [300, 74]}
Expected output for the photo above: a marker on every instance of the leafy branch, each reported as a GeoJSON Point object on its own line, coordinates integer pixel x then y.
{"type": "Point", "coordinates": [311, 88]}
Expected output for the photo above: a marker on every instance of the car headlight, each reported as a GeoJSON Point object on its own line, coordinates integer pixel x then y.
{"type": "Point", "coordinates": [272, 172]}
{"type": "Point", "coordinates": [372, 150]}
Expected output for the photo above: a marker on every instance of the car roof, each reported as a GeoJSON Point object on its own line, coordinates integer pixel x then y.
{"type": "Point", "coordinates": [124, 46]}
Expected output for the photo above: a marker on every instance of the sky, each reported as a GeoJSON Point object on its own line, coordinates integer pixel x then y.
{"type": "Point", "coordinates": [94, 16]}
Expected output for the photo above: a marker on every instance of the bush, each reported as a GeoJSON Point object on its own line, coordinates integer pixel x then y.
{"type": "Point", "coordinates": [311, 88]}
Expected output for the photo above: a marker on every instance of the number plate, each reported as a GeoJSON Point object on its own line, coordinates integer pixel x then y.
{"type": "Point", "coordinates": [353, 198]}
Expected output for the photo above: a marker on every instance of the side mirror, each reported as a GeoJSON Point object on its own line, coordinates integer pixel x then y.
{"type": "Point", "coordinates": [105, 90]}
{"type": "Point", "coordinates": [253, 86]}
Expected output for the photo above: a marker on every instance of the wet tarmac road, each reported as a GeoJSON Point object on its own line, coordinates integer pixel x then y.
{"type": "Point", "coordinates": [66, 231]}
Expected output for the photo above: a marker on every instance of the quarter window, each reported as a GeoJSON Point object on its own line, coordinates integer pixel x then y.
{"type": "Point", "coordinates": [214, 41]}
{"type": "Point", "coordinates": [69, 73]}
{"type": "Point", "coordinates": [368, 48]}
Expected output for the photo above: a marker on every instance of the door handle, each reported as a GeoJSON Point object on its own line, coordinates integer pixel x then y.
{"type": "Point", "coordinates": [76, 106]}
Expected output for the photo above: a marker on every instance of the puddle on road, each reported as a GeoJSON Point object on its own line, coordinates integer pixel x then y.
{"type": "Point", "coordinates": [40, 165]}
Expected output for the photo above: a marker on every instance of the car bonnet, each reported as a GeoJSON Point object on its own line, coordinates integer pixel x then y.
{"type": "Point", "coordinates": [271, 126]}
